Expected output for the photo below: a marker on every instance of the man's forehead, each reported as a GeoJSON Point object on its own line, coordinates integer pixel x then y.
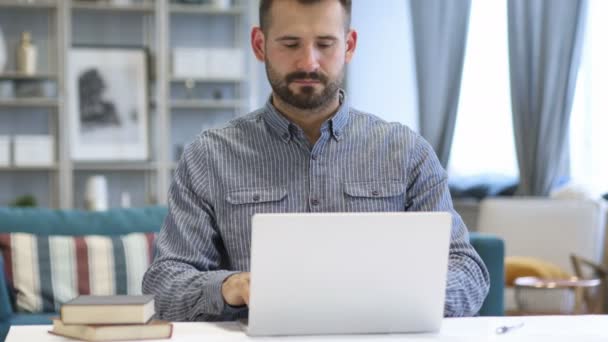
{"type": "Point", "coordinates": [324, 18]}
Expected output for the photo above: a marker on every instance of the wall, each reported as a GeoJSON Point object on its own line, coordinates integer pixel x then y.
{"type": "Point", "coordinates": [381, 77]}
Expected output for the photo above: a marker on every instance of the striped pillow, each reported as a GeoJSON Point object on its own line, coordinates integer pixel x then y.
{"type": "Point", "coordinates": [45, 271]}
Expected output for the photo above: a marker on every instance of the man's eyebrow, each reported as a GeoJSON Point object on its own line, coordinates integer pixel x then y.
{"type": "Point", "coordinates": [284, 38]}
{"type": "Point", "coordinates": [292, 38]}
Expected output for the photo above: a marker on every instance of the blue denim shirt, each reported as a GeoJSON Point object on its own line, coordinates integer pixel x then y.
{"type": "Point", "coordinates": [263, 163]}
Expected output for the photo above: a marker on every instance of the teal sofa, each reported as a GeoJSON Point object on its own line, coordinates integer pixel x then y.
{"type": "Point", "coordinates": [66, 222]}
{"type": "Point", "coordinates": [491, 249]}
{"type": "Point", "coordinates": [150, 219]}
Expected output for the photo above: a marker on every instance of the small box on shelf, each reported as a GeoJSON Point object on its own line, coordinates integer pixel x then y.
{"type": "Point", "coordinates": [212, 63]}
{"type": "Point", "coordinates": [5, 151]}
{"type": "Point", "coordinates": [190, 62]}
{"type": "Point", "coordinates": [34, 150]}
{"type": "Point", "coordinates": [225, 63]}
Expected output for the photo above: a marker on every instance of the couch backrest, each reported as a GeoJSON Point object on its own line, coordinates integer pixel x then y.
{"type": "Point", "coordinates": [78, 222]}
{"type": "Point", "coordinates": [549, 229]}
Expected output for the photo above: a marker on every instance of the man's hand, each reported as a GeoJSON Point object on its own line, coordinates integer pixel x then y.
{"type": "Point", "coordinates": [235, 289]}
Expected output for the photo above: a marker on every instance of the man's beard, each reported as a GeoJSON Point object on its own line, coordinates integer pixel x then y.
{"type": "Point", "coordinates": [306, 99]}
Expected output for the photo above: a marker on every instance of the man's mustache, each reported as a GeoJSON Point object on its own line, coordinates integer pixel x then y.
{"type": "Point", "coordinates": [302, 75]}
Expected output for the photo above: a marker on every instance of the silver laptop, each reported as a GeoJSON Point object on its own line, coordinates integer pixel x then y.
{"type": "Point", "coordinates": [348, 273]}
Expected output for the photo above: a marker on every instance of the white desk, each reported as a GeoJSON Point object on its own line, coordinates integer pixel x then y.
{"type": "Point", "coordinates": [535, 328]}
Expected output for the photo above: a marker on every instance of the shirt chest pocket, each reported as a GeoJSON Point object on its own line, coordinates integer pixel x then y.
{"type": "Point", "coordinates": [374, 196]}
{"type": "Point", "coordinates": [246, 202]}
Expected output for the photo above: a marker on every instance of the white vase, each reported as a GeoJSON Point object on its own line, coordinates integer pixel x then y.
{"type": "Point", "coordinates": [96, 193]}
{"type": "Point", "coordinates": [27, 55]}
{"type": "Point", "coordinates": [2, 51]}
{"type": "Point", "coordinates": [222, 4]}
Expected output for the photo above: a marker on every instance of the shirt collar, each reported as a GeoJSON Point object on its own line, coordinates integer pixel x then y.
{"type": "Point", "coordinates": [281, 125]}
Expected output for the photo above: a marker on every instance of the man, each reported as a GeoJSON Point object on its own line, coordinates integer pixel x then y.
{"type": "Point", "coordinates": [306, 151]}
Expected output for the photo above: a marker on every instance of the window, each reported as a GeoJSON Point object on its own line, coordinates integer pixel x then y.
{"type": "Point", "coordinates": [483, 138]}
{"type": "Point", "coordinates": [589, 120]}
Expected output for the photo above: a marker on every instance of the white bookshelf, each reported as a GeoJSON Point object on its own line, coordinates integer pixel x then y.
{"type": "Point", "coordinates": [159, 26]}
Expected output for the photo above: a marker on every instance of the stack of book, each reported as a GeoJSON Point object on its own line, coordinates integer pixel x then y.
{"type": "Point", "coordinates": [107, 318]}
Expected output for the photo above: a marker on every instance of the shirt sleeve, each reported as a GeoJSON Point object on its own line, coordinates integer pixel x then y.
{"type": "Point", "coordinates": [187, 273]}
{"type": "Point", "coordinates": [468, 281]}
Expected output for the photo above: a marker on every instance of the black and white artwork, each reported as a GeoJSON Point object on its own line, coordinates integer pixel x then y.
{"type": "Point", "coordinates": [108, 104]}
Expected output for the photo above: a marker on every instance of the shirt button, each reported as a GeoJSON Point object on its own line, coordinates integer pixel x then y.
{"type": "Point", "coordinates": [285, 136]}
{"type": "Point", "coordinates": [375, 193]}
{"type": "Point", "coordinates": [256, 198]}
{"type": "Point", "coordinates": [314, 157]}
{"type": "Point", "coordinates": [314, 202]}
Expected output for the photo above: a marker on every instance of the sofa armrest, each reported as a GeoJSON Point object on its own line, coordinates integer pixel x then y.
{"type": "Point", "coordinates": [6, 309]}
{"type": "Point", "coordinates": [491, 249]}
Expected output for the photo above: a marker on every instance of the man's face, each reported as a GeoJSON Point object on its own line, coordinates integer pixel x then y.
{"type": "Point", "coordinates": [305, 50]}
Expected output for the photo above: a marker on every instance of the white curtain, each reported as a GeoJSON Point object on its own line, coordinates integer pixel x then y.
{"type": "Point", "coordinates": [589, 121]}
{"type": "Point", "coordinates": [483, 139]}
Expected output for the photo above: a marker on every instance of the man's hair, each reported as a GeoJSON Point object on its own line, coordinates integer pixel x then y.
{"type": "Point", "coordinates": [265, 6]}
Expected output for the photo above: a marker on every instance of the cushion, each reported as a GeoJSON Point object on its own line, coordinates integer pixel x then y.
{"type": "Point", "coordinates": [520, 266]}
{"type": "Point", "coordinates": [45, 271]}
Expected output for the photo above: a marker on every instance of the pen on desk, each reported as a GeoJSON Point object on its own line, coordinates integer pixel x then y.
{"type": "Point", "coordinates": [506, 328]}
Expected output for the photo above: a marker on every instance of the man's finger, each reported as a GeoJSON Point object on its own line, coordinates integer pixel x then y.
{"type": "Point", "coordinates": [246, 295]}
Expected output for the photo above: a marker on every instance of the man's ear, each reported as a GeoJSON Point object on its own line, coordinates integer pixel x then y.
{"type": "Point", "coordinates": [351, 44]}
{"type": "Point", "coordinates": [258, 43]}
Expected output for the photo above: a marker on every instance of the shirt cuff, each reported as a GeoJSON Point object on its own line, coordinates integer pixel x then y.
{"type": "Point", "coordinates": [217, 300]}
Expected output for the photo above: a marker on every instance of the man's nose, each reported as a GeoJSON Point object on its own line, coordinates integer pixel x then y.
{"type": "Point", "coordinates": [309, 60]}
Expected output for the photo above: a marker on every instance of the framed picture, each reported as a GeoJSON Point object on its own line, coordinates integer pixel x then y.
{"type": "Point", "coordinates": [108, 106]}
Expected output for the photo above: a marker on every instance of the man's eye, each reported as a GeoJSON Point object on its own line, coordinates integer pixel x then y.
{"type": "Point", "coordinates": [291, 45]}
{"type": "Point", "coordinates": [324, 45]}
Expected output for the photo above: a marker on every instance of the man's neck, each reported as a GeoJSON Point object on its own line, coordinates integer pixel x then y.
{"type": "Point", "coordinates": [309, 120]}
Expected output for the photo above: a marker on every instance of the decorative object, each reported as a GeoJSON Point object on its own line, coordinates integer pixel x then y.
{"type": "Point", "coordinates": [221, 4]}
{"type": "Point", "coordinates": [125, 199]}
{"type": "Point", "coordinates": [190, 85]}
{"type": "Point", "coordinates": [552, 296]}
{"type": "Point", "coordinates": [96, 193]}
{"type": "Point", "coordinates": [121, 2]}
{"type": "Point", "coordinates": [217, 94]}
{"type": "Point", "coordinates": [25, 201]}
{"type": "Point", "coordinates": [27, 55]}
{"type": "Point", "coordinates": [109, 107]}
{"type": "Point", "coordinates": [34, 150]}
{"type": "Point", "coordinates": [179, 150]}
{"type": "Point", "coordinates": [5, 150]}
{"type": "Point", "coordinates": [2, 51]}
{"type": "Point", "coordinates": [7, 89]}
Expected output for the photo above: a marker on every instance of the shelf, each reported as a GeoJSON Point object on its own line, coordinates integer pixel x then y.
{"type": "Point", "coordinates": [207, 79]}
{"type": "Point", "coordinates": [34, 4]}
{"type": "Point", "coordinates": [109, 7]}
{"type": "Point", "coordinates": [204, 9]}
{"type": "Point", "coordinates": [114, 166]}
{"type": "Point", "coordinates": [17, 76]}
{"type": "Point", "coordinates": [29, 102]}
{"type": "Point", "coordinates": [13, 168]}
{"type": "Point", "coordinates": [206, 104]}
{"type": "Point", "coordinates": [171, 104]}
